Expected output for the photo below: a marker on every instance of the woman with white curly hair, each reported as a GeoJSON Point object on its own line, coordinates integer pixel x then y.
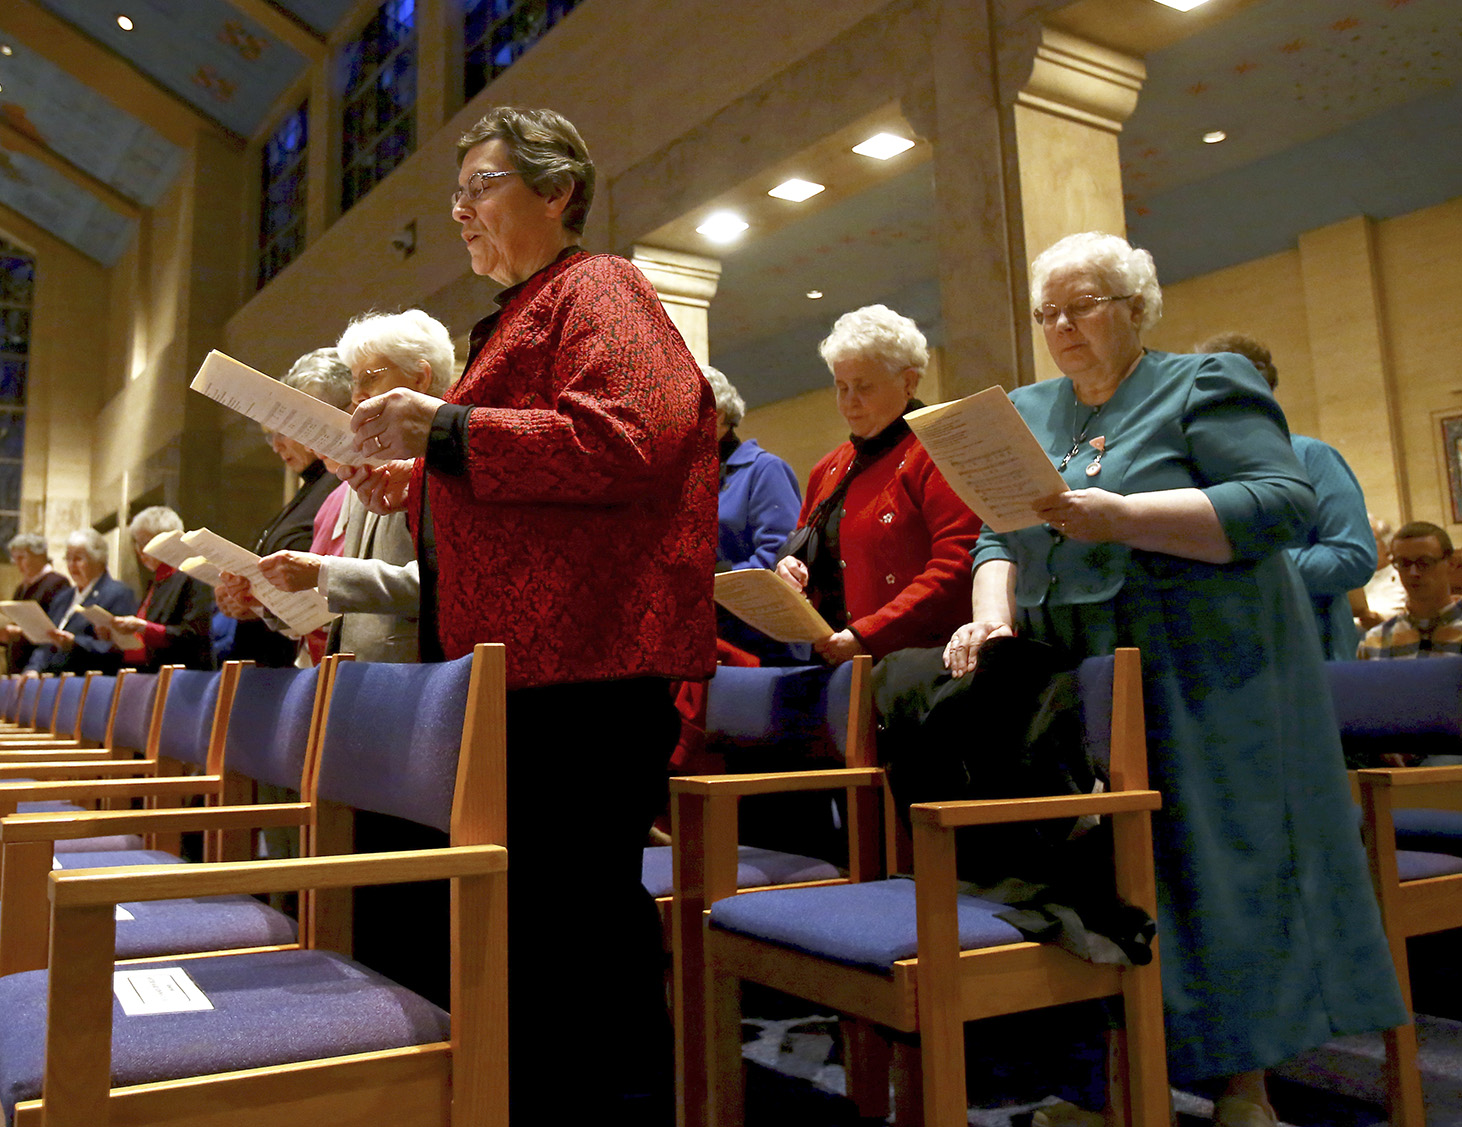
{"type": "Point", "coordinates": [1182, 492]}
{"type": "Point", "coordinates": [882, 545]}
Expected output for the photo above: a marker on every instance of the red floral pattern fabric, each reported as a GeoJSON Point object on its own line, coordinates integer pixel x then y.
{"type": "Point", "coordinates": [904, 542]}
{"type": "Point", "coordinates": [583, 533]}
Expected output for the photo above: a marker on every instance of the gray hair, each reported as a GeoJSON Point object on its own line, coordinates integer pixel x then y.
{"type": "Point", "coordinates": [90, 541]}
{"type": "Point", "coordinates": [728, 399]}
{"type": "Point", "coordinates": [878, 333]}
{"type": "Point", "coordinates": [31, 543]}
{"type": "Point", "coordinates": [321, 374]}
{"type": "Point", "coordinates": [405, 340]}
{"type": "Point", "coordinates": [155, 519]}
{"type": "Point", "coordinates": [1112, 259]}
{"type": "Point", "coordinates": [545, 149]}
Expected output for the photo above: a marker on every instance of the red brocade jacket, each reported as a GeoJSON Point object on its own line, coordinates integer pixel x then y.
{"type": "Point", "coordinates": [582, 530]}
{"type": "Point", "coordinates": [904, 544]}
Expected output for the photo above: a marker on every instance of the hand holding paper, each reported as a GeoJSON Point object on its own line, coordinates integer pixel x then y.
{"type": "Point", "coordinates": [761, 599]}
{"type": "Point", "coordinates": [301, 611]}
{"type": "Point", "coordinates": [32, 619]}
{"type": "Point", "coordinates": [102, 621]}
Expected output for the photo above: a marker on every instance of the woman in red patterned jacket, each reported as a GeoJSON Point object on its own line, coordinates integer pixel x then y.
{"type": "Point", "coordinates": [563, 498]}
{"type": "Point", "coordinates": [883, 544]}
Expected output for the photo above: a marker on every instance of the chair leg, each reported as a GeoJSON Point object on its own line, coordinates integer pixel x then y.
{"type": "Point", "coordinates": [908, 1084]}
{"type": "Point", "coordinates": [725, 1103]}
{"type": "Point", "coordinates": [1403, 1078]}
{"type": "Point", "coordinates": [866, 1056]}
{"type": "Point", "coordinates": [1142, 1051]}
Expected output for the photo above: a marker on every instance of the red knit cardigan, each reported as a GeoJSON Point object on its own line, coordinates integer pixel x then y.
{"type": "Point", "coordinates": [583, 532]}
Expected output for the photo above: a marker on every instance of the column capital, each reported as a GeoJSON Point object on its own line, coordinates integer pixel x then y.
{"type": "Point", "coordinates": [1075, 79]}
{"type": "Point", "coordinates": [686, 279]}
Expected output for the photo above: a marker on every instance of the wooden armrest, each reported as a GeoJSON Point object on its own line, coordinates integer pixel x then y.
{"type": "Point", "coordinates": [184, 786]}
{"type": "Point", "coordinates": [78, 888]}
{"type": "Point", "coordinates": [103, 769]}
{"type": "Point", "coordinates": [69, 755]}
{"type": "Point", "coordinates": [990, 811]}
{"type": "Point", "coordinates": [97, 823]}
{"type": "Point", "coordinates": [777, 782]}
{"type": "Point", "coordinates": [1406, 777]}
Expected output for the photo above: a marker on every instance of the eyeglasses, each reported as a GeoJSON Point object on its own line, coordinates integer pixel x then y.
{"type": "Point", "coordinates": [369, 378]}
{"type": "Point", "coordinates": [1422, 564]}
{"type": "Point", "coordinates": [478, 183]}
{"type": "Point", "coordinates": [1083, 306]}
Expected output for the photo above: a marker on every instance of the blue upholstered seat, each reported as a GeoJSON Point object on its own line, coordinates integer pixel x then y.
{"type": "Point", "coordinates": [97, 710]}
{"type": "Point", "coordinates": [754, 868]}
{"type": "Point", "coordinates": [269, 1008]}
{"type": "Point", "coordinates": [868, 925]}
{"type": "Point", "coordinates": [1413, 865]}
{"type": "Point", "coordinates": [800, 712]}
{"type": "Point", "coordinates": [1429, 831]}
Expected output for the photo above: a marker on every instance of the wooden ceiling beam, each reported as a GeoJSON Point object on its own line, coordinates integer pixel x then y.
{"type": "Point", "coordinates": [106, 72]}
{"type": "Point", "coordinates": [18, 141]}
{"type": "Point", "coordinates": [283, 27]}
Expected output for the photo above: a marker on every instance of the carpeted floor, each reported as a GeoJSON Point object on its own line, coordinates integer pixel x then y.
{"type": "Point", "coordinates": [795, 1079]}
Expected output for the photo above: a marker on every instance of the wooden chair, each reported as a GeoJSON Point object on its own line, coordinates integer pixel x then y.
{"type": "Point", "coordinates": [1406, 706]}
{"type": "Point", "coordinates": [941, 959]}
{"type": "Point", "coordinates": [299, 1036]}
{"type": "Point", "coordinates": [798, 714]}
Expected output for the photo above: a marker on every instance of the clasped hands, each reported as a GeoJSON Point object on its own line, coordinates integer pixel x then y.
{"type": "Point", "coordinates": [394, 425]}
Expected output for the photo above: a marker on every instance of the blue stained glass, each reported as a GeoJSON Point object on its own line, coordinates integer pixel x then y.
{"type": "Point", "coordinates": [15, 331]}
{"type": "Point", "coordinates": [282, 200]}
{"type": "Point", "coordinates": [9, 487]}
{"type": "Point", "coordinates": [12, 435]}
{"type": "Point", "coordinates": [377, 130]}
{"type": "Point", "coordinates": [12, 381]}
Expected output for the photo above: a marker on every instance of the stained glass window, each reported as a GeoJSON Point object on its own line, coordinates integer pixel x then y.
{"type": "Point", "coordinates": [282, 199]}
{"type": "Point", "coordinates": [17, 286]}
{"type": "Point", "coordinates": [378, 114]}
{"type": "Point", "coordinates": [497, 32]}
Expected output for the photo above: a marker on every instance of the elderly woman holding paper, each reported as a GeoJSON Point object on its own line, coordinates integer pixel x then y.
{"type": "Point", "coordinates": [172, 622]}
{"type": "Point", "coordinates": [75, 646]}
{"type": "Point", "coordinates": [882, 545]}
{"type": "Point", "coordinates": [1182, 491]}
{"type": "Point", "coordinates": [322, 374]}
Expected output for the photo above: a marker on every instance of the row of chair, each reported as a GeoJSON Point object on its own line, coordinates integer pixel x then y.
{"type": "Point", "coordinates": [909, 957]}
{"type": "Point", "coordinates": [294, 1029]}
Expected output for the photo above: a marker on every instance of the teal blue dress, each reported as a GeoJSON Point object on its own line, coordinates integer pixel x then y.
{"type": "Point", "coordinates": [1271, 941]}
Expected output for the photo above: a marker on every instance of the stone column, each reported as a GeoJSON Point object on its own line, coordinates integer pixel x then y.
{"type": "Point", "coordinates": [1356, 400]}
{"type": "Point", "coordinates": [1067, 117]}
{"type": "Point", "coordinates": [686, 283]}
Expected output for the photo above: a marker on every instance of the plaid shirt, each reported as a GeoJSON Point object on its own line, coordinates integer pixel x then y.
{"type": "Point", "coordinates": [1404, 636]}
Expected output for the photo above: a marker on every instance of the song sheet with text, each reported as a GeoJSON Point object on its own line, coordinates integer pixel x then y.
{"type": "Point", "coordinates": [32, 619]}
{"type": "Point", "coordinates": [102, 619]}
{"type": "Point", "coordinates": [762, 599]}
{"type": "Point", "coordinates": [301, 611]}
{"type": "Point", "coordinates": [989, 457]}
{"type": "Point", "coordinates": [171, 549]}
{"type": "Point", "coordinates": [284, 410]}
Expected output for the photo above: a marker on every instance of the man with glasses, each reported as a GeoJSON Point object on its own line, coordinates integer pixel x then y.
{"type": "Point", "coordinates": [1431, 624]}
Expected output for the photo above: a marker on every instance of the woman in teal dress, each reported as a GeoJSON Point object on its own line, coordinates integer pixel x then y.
{"type": "Point", "coordinates": [1183, 489]}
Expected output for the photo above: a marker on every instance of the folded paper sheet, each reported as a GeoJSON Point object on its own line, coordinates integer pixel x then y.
{"type": "Point", "coordinates": [760, 598]}
{"type": "Point", "coordinates": [102, 618]}
{"type": "Point", "coordinates": [173, 551]}
{"type": "Point", "coordinates": [32, 619]}
{"type": "Point", "coordinates": [285, 410]}
{"type": "Point", "coordinates": [301, 611]}
{"type": "Point", "coordinates": [989, 457]}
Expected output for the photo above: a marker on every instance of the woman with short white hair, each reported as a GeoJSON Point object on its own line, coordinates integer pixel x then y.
{"type": "Point", "coordinates": [39, 582]}
{"type": "Point", "coordinates": [75, 646]}
{"type": "Point", "coordinates": [173, 620]}
{"type": "Point", "coordinates": [882, 546]}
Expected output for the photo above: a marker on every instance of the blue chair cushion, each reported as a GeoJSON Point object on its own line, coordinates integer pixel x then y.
{"type": "Point", "coordinates": [1430, 831]}
{"type": "Point", "coordinates": [869, 925]}
{"type": "Point", "coordinates": [185, 926]}
{"type": "Point", "coordinates": [46, 808]}
{"type": "Point", "coordinates": [270, 1008]}
{"type": "Point", "coordinates": [1413, 865]}
{"type": "Point", "coordinates": [754, 868]}
{"type": "Point", "coordinates": [107, 844]}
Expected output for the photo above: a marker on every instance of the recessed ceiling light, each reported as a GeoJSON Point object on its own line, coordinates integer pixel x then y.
{"type": "Point", "coordinates": [1215, 137]}
{"type": "Point", "coordinates": [5, 49]}
{"type": "Point", "coordinates": [814, 294]}
{"type": "Point", "coordinates": [795, 190]}
{"type": "Point", "coordinates": [124, 22]}
{"type": "Point", "coordinates": [1182, 5]}
{"type": "Point", "coordinates": [722, 226]}
{"type": "Point", "coordinates": [881, 146]}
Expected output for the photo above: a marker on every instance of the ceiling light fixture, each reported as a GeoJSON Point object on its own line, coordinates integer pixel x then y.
{"type": "Point", "coordinates": [1215, 137]}
{"type": "Point", "coordinates": [1182, 5]}
{"type": "Point", "coordinates": [125, 23]}
{"type": "Point", "coordinates": [5, 49]}
{"type": "Point", "coordinates": [881, 146]}
{"type": "Point", "coordinates": [814, 294]}
{"type": "Point", "coordinates": [722, 226]}
{"type": "Point", "coordinates": [795, 190]}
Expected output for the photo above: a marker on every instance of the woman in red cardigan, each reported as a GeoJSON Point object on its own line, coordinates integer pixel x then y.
{"type": "Point", "coordinates": [883, 544]}
{"type": "Point", "coordinates": [563, 500]}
